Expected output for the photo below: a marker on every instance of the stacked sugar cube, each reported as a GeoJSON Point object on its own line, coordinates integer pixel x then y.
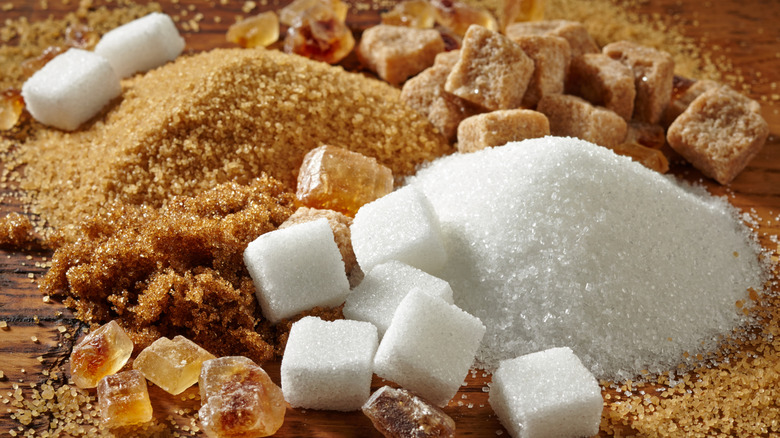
{"type": "Point", "coordinates": [73, 87]}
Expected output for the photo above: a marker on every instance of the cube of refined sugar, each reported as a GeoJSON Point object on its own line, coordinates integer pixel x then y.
{"type": "Point", "coordinates": [239, 399]}
{"type": "Point", "coordinates": [173, 365]}
{"type": "Point", "coordinates": [684, 91]}
{"type": "Point", "coordinates": [651, 158]}
{"type": "Point", "coordinates": [70, 89]}
{"type": "Point", "coordinates": [123, 399]}
{"type": "Point", "coordinates": [571, 116]}
{"type": "Point", "coordinates": [376, 297]}
{"type": "Point", "coordinates": [574, 32]}
{"type": "Point", "coordinates": [329, 364]}
{"type": "Point", "coordinates": [429, 347]}
{"type": "Point", "coordinates": [141, 44]}
{"type": "Point", "coordinates": [603, 81]}
{"type": "Point", "coordinates": [397, 53]}
{"type": "Point", "coordinates": [719, 133]}
{"type": "Point", "coordinates": [498, 128]}
{"type": "Point", "coordinates": [338, 179]}
{"type": "Point", "coordinates": [400, 226]}
{"type": "Point", "coordinates": [533, 394]}
{"type": "Point", "coordinates": [653, 75]}
{"type": "Point", "coordinates": [296, 269]}
{"type": "Point", "coordinates": [398, 413]}
{"type": "Point", "coordinates": [551, 56]}
{"type": "Point", "coordinates": [102, 352]}
{"type": "Point", "coordinates": [425, 93]}
{"type": "Point", "coordinates": [339, 224]}
{"type": "Point", "coordinates": [493, 71]}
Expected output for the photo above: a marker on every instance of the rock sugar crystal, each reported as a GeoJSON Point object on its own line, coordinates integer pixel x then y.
{"type": "Point", "coordinates": [556, 242]}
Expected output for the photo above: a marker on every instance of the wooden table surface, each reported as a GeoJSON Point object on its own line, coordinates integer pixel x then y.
{"type": "Point", "coordinates": [746, 33]}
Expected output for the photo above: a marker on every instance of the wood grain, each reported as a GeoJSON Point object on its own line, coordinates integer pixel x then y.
{"type": "Point", "coordinates": [745, 33]}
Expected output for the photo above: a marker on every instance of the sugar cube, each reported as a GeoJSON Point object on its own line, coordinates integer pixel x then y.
{"type": "Point", "coordinates": [375, 299]}
{"type": "Point", "coordinates": [429, 347]}
{"type": "Point", "coordinates": [400, 226]}
{"type": "Point", "coordinates": [551, 56]}
{"type": "Point", "coordinates": [498, 128]}
{"type": "Point", "coordinates": [102, 352]}
{"type": "Point", "coordinates": [173, 365]}
{"type": "Point", "coordinates": [398, 413]}
{"type": "Point", "coordinates": [123, 399]}
{"type": "Point", "coordinates": [603, 81]}
{"type": "Point", "coordinates": [571, 116]}
{"type": "Point", "coordinates": [546, 394]}
{"type": "Point", "coordinates": [396, 53]}
{"type": "Point", "coordinates": [70, 89]}
{"type": "Point", "coordinates": [296, 268]}
{"type": "Point", "coordinates": [239, 399]}
{"type": "Point", "coordinates": [574, 32]}
{"type": "Point", "coordinates": [329, 364]}
{"type": "Point", "coordinates": [141, 44]}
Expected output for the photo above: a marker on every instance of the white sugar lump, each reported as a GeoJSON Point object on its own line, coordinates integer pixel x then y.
{"type": "Point", "coordinates": [70, 89]}
{"type": "Point", "coordinates": [429, 347]}
{"type": "Point", "coordinates": [399, 226]}
{"type": "Point", "coordinates": [546, 394]}
{"type": "Point", "coordinates": [295, 269]}
{"type": "Point", "coordinates": [382, 289]}
{"type": "Point", "coordinates": [556, 241]}
{"type": "Point", "coordinates": [141, 44]}
{"type": "Point", "coordinates": [329, 364]}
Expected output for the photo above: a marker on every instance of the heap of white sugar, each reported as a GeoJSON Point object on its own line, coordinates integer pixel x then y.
{"type": "Point", "coordinates": [556, 242]}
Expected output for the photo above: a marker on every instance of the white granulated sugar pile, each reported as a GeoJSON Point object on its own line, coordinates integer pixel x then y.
{"type": "Point", "coordinates": [556, 242]}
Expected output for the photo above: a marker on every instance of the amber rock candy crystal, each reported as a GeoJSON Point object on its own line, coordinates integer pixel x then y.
{"type": "Point", "coordinates": [239, 399]}
{"type": "Point", "coordinates": [260, 30]}
{"type": "Point", "coordinates": [102, 352]}
{"type": "Point", "coordinates": [412, 13]}
{"type": "Point", "coordinates": [397, 413]}
{"type": "Point", "coordinates": [124, 399]}
{"type": "Point", "coordinates": [318, 33]}
{"type": "Point", "coordinates": [173, 365]}
{"type": "Point", "coordinates": [337, 179]}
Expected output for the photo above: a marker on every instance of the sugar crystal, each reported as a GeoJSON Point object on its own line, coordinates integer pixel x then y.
{"type": "Point", "coordinates": [102, 352]}
{"type": "Point", "coordinates": [124, 399]}
{"type": "Point", "coordinates": [260, 30]}
{"type": "Point", "coordinates": [173, 365]}
{"type": "Point", "coordinates": [398, 413]}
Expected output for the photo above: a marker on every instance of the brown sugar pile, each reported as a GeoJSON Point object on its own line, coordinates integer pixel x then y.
{"type": "Point", "coordinates": [177, 270]}
{"type": "Point", "coordinates": [223, 115]}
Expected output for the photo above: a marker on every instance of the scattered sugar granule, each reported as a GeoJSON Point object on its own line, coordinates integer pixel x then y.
{"type": "Point", "coordinates": [556, 241]}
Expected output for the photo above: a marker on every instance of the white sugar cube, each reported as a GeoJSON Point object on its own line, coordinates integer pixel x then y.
{"type": "Point", "coordinates": [329, 365]}
{"type": "Point", "coordinates": [70, 89]}
{"type": "Point", "coordinates": [296, 268]}
{"type": "Point", "coordinates": [378, 295]}
{"type": "Point", "coordinates": [141, 44]}
{"type": "Point", "coordinates": [429, 347]}
{"type": "Point", "coordinates": [533, 393]}
{"type": "Point", "coordinates": [399, 226]}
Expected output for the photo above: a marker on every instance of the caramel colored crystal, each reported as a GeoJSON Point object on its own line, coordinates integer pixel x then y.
{"type": "Point", "coordinates": [651, 158]}
{"type": "Point", "coordinates": [459, 16]}
{"type": "Point", "coordinates": [173, 365]}
{"type": "Point", "coordinates": [124, 399]}
{"type": "Point", "coordinates": [260, 30]}
{"type": "Point", "coordinates": [318, 33]}
{"type": "Point", "coordinates": [337, 179]}
{"type": "Point", "coordinates": [11, 106]}
{"type": "Point", "coordinates": [419, 14]}
{"type": "Point", "coordinates": [292, 13]}
{"type": "Point", "coordinates": [101, 353]}
{"type": "Point", "coordinates": [239, 399]}
{"type": "Point", "coordinates": [397, 413]}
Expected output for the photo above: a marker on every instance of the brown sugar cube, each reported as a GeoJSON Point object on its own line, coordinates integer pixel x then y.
{"type": "Point", "coordinates": [493, 71]}
{"type": "Point", "coordinates": [684, 91]}
{"type": "Point", "coordinates": [646, 134]}
{"type": "Point", "coordinates": [447, 59]}
{"type": "Point", "coordinates": [575, 33]}
{"type": "Point", "coordinates": [425, 93]}
{"type": "Point", "coordinates": [396, 53]}
{"type": "Point", "coordinates": [603, 81]}
{"type": "Point", "coordinates": [653, 76]}
{"type": "Point", "coordinates": [571, 116]}
{"type": "Point", "coordinates": [500, 127]}
{"type": "Point", "coordinates": [551, 56]}
{"type": "Point", "coordinates": [719, 133]}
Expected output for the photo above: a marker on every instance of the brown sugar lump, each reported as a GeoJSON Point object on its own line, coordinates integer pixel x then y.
{"type": "Point", "coordinates": [603, 81]}
{"type": "Point", "coordinates": [653, 76]}
{"type": "Point", "coordinates": [646, 134]}
{"type": "Point", "coordinates": [425, 93]}
{"type": "Point", "coordinates": [551, 56]}
{"type": "Point", "coordinates": [493, 71]}
{"type": "Point", "coordinates": [396, 53]}
{"type": "Point", "coordinates": [684, 91]}
{"type": "Point", "coordinates": [575, 33]}
{"type": "Point", "coordinates": [500, 127]}
{"type": "Point", "coordinates": [571, 116]}
{"type": "Point", "coordinates": [719, 133]}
